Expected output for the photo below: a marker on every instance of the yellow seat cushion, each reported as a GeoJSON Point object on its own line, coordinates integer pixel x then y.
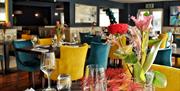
{"type": "Point", "coordinates": [26, 36]}
{"type": "Point", "coordinates": [45, 41]}
{"type": "Point", "coordinates": [163, 37]}
{"type": "Point", "coordinates": [173, 77]}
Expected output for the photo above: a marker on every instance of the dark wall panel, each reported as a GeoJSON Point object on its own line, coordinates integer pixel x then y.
{"type": "Point", "coordinates": [27, 18]}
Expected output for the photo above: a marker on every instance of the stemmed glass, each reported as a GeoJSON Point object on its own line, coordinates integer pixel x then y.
{"type": "Point", "coordinates": [34, 40]}
{"type": "Point", "coordinates": [94, 79]}
{"type": "Point", "coordinates": [48, 64]}
{"type": "Point", "coordinates": [75, 38]}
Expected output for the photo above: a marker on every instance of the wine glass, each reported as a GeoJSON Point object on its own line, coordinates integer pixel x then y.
{"type": "Point", "coordinates": [75, 38]}
{"type": "Point", "coordinates": [64, 82]}
{"type": "Point", "coordinates": [34, 40]}
{"type": "Point", "coordinates": [48, 64]}
{"type": "Point", "coordinates": [94, 79]}
{"type": "Point", "coordinates": [54, 40]}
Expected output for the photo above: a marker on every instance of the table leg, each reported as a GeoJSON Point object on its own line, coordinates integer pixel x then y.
{"type": "Point", "coordinates": [176, 60]}
{"type": "Point", "coordinates": [6, 57]}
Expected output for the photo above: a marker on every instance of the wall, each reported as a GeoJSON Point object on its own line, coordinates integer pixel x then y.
{"type": "Point", "coordinates": [30, 5]}
{"type": "Point", "coordinates": [98, 3]}
{"type": "Point", "coordinates": [165, 5]}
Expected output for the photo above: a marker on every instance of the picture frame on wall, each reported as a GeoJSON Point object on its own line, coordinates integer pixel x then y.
{"type": "Point", "coordinates": [85, 13]}
{"type": "Point", "coordinates": [174, 16]}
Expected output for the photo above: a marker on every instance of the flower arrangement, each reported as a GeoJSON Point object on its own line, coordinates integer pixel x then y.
{"type": "Point", "coordinates": [135, 53]}
{"type": "Point", "coordinates": [116, 80]}
{"type": "Point", "coordinates": [59, 31]}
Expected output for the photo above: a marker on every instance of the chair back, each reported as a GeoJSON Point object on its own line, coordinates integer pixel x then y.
{"type": "Point", "coordinates": [90, 38]}
{"type": "Point", "coordinates": [164, 57]}
{"type": "Point", "coordinates": [26, 36]}
{"type": "Point", "coordinates": [25, 61]}
{"type": "Point", "coordinates": [82, 36]}
{"type": "Point", "coordinates": [99, 54]}
{"type": "Point", "coordinates": [45, 41]}
{"type": "Point", "coordinates": [177, 40]}
{"type": "Point", "coordinates": [72, 61]}
{"type": "Point", "coordinates": [173, 77]}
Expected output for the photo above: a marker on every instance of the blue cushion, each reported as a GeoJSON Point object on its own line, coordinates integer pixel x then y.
{"type": "Point", "coordinates": [99, 54]}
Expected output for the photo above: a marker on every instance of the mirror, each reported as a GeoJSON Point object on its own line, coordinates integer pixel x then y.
{"type": "Point", "coordinates": [2, 11]}
{"type": "Point", "coordinates": [104, 19]}
{"type": "Point", "coordinates": [85, 13]}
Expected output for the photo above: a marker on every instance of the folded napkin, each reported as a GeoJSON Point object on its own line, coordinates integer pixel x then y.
{"type": "Point", "coordinates": [31, 89]}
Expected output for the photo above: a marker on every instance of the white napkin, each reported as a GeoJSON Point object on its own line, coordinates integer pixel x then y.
{"type": "Point", "coordinates": [39, 49]}
{"type": "Point", "coordinates": [31, 89]}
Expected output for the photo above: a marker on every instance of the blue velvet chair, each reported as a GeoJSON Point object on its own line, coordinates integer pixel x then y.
{"type": "Point", "coordinates": [82, 35]}
{"type": "Point", "coordinates": [90, 38]}
{"type": "Point", "coordinates": [177, 40]}
{"type": "Point", "coordinates": [98, 54]}
{"type": "Point", "coordinates": [27, 62]}
{"type": "Point", "coordinates": [164, 57]}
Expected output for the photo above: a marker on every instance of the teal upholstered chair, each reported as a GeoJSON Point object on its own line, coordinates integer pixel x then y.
{"type": "Point", "coordinates": [2, 65]}
{"type": "Point", "coordinates": [98, 54]}
{"type": "Point", "coordinates": [26, 61]}
{"type": "Point", "coordinates": [90, 38]}
{"type": "Point", "coordinates": [177, 40]}
{"type": "Point", "coordinates": [164, 57]}
{"type": "Point", "coordinates": [82, 36]}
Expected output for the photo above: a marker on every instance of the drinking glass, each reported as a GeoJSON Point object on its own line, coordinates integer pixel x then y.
{"type": "Point", "coordinates": [94, 79]}
{"type": "Point", "coordinates": [48, 64]}
{"type": "Point", "coordinates": [34, 40]}
{"type": "Point", "coordinates": [75, 38]}
{"type": "Point", "coordinates": [64, 82]}
{"type": "Point", "coordinates": [54, 40]}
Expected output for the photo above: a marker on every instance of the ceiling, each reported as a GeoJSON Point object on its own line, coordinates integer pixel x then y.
{"type": "Point", "coordinates": [139, 1]}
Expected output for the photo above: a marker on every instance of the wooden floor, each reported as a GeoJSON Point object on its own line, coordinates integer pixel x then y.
{"type": "Point", "coordinates": [9, 81]}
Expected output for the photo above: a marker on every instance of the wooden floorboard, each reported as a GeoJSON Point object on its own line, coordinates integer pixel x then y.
{"type": "Point", "coordinates": [9, 82]}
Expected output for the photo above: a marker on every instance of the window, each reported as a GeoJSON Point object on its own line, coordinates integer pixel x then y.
{"type": "Point", "coordinates": [104, 19]}
{"type": "Point", "coordinates": [157, 18]}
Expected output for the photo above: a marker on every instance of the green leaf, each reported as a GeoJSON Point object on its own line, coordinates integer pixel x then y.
{"type": "Point", "coordinates": [131, 58]}
{"type": "Point", "coordinates": [151, 56]}
{"type": "Point", "coordinates": [160, 80]}
{"type": "Point", "coordinates": [138, 73]}
{"type": "Point", "coordinates": [146, 13]}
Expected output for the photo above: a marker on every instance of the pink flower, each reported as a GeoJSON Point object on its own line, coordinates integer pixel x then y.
{"type": "Point", "coordinates": [143, 23]}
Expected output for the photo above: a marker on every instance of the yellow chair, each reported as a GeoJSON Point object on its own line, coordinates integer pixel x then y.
{"type": "Point", "coordinates": [72, 61]}
{"type": "Point", "coordinates": [45, 41]}
{"type": "Point", "coordinates": [163, 37]}
{"type": "Point", "coordinates": [26, 36]}
{"type": "Point", "coordinates": [173, 77]}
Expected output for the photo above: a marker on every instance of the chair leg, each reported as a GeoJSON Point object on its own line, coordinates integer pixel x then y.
{"type": "Point", "coordinates": [33, 79]}
{"type": "Point", "coordinates": [2, 67]}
